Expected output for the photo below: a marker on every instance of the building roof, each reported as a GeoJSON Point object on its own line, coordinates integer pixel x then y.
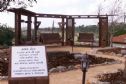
{"type": "Point", "coordinates": [119, 39]}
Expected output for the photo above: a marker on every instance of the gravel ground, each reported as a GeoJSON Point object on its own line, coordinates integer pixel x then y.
{"type": "Point", "coordinates": [75, 76]}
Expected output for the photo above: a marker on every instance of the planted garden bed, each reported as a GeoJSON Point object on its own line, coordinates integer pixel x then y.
{"type": "Point", "coordinates": [64, 61]}
{"type": "Point", "coordinates": [68, 61]}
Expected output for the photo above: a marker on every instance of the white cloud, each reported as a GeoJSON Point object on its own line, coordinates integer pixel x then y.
{"type": "Point", "coordinates": [53, 5]}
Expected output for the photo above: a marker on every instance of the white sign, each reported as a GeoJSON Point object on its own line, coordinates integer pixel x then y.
{"type": "Point", "coordinates": [28, 61]}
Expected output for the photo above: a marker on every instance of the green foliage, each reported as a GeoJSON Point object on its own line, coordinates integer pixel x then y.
{"type": "Point", "coordinates": [90, 28]}
{"type": "Point", "coordinates": [4, 4]}
{"type": "Point", "coordinates": [6, 35]}
{"type": "Point", "coordinates": [119, 29]}
{"type": "Point", "coordinates": [120, 32]}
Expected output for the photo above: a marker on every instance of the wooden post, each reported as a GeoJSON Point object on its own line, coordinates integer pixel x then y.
{"type": "Point", "coordinates": [35, 29]}
{"type": "Point", "coordinates": [104, 39]}
{"type": "Point", "coordinates": [70, 31]}
{"type": "Point", "coordinates": [62, 31]}
{"type": "Point", "coordinates": [29, 28]}
{"type": "Point", "coordinates": [17, 28]}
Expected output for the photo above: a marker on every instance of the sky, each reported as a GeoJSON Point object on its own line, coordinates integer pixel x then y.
{"type": "Point", "coordinates": [70, 7]}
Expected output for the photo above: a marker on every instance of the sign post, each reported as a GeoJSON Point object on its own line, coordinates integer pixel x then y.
{"type": "Point", "coordinates": [28, 64]}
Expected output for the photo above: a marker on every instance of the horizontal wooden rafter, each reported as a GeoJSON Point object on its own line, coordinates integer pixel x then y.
{"type": "Point", "coordinates": [30, 13]}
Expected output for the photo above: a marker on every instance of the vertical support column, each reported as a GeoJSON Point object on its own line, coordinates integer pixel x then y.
{"type": "Point", "coordinates": [62, 31]}
{"type": "Point", "coordinates": [104, 39]}
{"type": "Point", "coordinates": [35, 29]}
{"type": "Point", "coordinates": [29, 28]}
{"type": "Point", "coordinates": [70, 31]}
{"type": "Point", "coordinates": [17, 28]}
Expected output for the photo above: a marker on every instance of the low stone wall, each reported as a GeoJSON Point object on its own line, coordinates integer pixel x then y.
{"type": "Point", "coordinates": [113, 51]}
{"type": "Point", "coordinates": [112, 78]}
{"type": "Point", "coordinates": [109, 50]}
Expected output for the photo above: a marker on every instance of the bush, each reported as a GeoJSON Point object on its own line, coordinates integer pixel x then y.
{"type": "Point", "coordinates": [120, 32]}
{"type": "Point", "coordinates": [6, 35]}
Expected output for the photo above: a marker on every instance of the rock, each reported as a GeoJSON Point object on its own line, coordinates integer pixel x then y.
{"type": "Point", "coordinates": [119, 82]}
{"type": "Point", "coordinates": [112, 54]}
{"type": "Point", "coordinates": [106, 62]}
{"type": "Point", "coordinates": [106, 53]}
{"type": "Point", "coordinates": [124, 55]}
{"type": "Point", "coordinates": [117, 62]}
{"type": "Point", "coordinates": [78, 56]}
{"type": "Point", "coordinates": [120, 55]}
{"type": "Point", "coordinates": [92, 83]}
{"type": "Point", "coordinates": [99, 52]}
{"type": "Point", "coordinates": [61, 68]}
{"type": "Point", "coordinates": [77, 66]}
{"type": "Point", "coordinates": [53, 70]}
{"type": "Point", "coordinates": [1, 51]}
{"type": "Point", "coordinates": [93, 51]}
{"type": "Point", "coordinates": [3, 77]}
{"type": "Point", "coordinates": [114, 62]}
{"type": "Point", "coordinates": [123, 52]}
{"type": "Point", "coordinates": [71, 67]}
{"type": "Point", "coordinates": [103, 82]}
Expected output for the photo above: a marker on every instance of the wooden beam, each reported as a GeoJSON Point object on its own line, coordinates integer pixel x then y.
{"type": "Point", "coordinates": [29, 28]}
{"type": "Point", "coordinates": [103, 32]}
{"type": "Point", "coordinates": [17, 29]}
{"type": "Point", "coordinates": [62, 28]}
{"type": "Point", "coordinates": [35, 29]}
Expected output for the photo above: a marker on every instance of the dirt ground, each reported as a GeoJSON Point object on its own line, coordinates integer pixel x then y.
{"type": "Point", "coordinates": [75, 76]}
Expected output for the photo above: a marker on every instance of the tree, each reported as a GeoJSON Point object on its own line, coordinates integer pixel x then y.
{"type": "Point", "coordinates": [119, 29]}
{"type": "Point", "coordinates": [6, 35]}
{"type": "Point", "coordinates": [4, 4]}
{"type": "Point", "coordinates": [116, 9]}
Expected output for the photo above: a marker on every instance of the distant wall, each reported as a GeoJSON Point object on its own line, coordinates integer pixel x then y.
{"type": "Point", "coordinates": [119, 45]}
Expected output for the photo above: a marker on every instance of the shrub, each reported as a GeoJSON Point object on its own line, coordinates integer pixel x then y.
{"type": "Point", "coordinates": [120, 32]}
{"type": "Point", "coordinates": [6, 35]}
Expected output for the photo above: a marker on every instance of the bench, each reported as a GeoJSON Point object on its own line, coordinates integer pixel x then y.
{"type": "Point", "coordinates": [86, 37]}
{"type": "Point", "coordinates": [50, 38]}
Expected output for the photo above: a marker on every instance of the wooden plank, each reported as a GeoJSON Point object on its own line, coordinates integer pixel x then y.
{"type": "Point", "coordinates": [86, 37]}
{"type": "Point", "coordinates": [50, 38]}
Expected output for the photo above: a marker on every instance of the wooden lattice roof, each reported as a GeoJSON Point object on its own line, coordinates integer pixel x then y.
{"type": "Point", "coordinates": [22, 11]}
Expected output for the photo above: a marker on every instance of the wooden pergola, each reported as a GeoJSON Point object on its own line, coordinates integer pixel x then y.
{"type": "Point", "coordinates": [103, 25]}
